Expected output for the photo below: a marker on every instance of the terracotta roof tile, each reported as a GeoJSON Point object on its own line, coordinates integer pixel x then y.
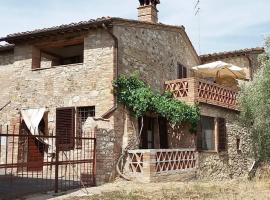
{"type": "Point", "coordinates": [64, 27]}
{"type": "Point", "coordinates": [78, 25]}
{"type": "Point", "coordinates": [231, 53]}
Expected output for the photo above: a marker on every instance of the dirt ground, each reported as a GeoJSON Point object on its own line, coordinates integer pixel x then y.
{"type": "Point", "coordinates": [122, 190]}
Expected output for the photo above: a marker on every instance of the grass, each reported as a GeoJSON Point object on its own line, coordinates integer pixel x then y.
{"type": "Point", "coordinates": [241, 189]}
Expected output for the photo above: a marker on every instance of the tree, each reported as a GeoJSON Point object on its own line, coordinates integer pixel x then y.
{"type": "Point", "coordinates": [254, 100]}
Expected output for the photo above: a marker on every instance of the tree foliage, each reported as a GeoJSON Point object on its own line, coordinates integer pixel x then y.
{"type": "Point", "coordinates": [254, 101]}
{"type": "Point", "coordinates": [140, 99]}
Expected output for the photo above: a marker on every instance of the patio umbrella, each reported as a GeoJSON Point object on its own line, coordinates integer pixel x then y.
{"type": "Point", "coordinates": [220, 70]}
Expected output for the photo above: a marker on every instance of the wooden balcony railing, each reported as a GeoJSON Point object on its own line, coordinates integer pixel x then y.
{"type": "Point", "coordinates": [193, 90]}
{"type": "Point", "coordinates": [152, 163]}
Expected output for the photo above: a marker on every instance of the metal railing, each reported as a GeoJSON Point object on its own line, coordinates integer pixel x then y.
{"type": "Point", "coordinates": [34, 163]}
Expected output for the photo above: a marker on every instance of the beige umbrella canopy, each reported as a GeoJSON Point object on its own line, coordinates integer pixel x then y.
{"type": "Point", "coordinates": [223, 73]}
{"type": "Point", "coordinates": [220, 70]}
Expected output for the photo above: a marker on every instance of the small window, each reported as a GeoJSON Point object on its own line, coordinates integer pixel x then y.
{"type": "Point", "coordinates": [83, 113]}
{"type": "Point", "coordinates": [238, 144]}
{"type": "Point", "coordinates": [182, 71]}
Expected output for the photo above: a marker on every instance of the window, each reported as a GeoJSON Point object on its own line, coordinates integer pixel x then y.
{"type": "Point", "coordinates": [210, 138]}
{"type": "Point", "coordinates": [83, 113]}
{"type": "Point", "coordinates": [56, 55]}
{"type": "Point", "coordinates": [208, 133]}
{"type": "Point", "coordinates": [65, 125]}
{"type": "Point", "coordinates": [238, 144]}
{"type": "Point", "coordinates": [182, 71]}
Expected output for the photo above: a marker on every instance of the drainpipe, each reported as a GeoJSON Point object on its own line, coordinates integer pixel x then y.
{"type": "Point", "coordinates": [109, 112]}
{"type": "Point", "coordinates": [116, 64]}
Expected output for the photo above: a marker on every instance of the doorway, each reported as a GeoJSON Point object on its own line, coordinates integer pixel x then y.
{"type": "Point", "coordinates": [163, 133]}
{"type": "Point", "coordinates": [147, 136]}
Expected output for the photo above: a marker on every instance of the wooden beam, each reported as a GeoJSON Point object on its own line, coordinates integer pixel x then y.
{"type": "Point", "coordinates": [50, 54]}
{"type": "Point", "coordinates": [61, 42]}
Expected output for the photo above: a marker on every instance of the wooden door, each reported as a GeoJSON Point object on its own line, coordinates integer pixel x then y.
{"type": "Point", "coordinates": [35, 154]}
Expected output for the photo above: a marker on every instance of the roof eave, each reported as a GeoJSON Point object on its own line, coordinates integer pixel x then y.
{"type": "Point", "coordinates": [13, 38]}
{"type": "Point", "coordinates": [242, 52]}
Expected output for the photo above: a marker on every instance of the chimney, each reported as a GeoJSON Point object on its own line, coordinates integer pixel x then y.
{"type": "Point", "coordinates": [147, 11]}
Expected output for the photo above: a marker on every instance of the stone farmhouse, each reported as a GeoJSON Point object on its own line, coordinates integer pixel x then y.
{"type": "Point", "coordinates": [67, 71]}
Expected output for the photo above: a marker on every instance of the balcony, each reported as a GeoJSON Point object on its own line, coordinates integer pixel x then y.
{"type": "Point", "coordinates": [197, 90]}
{"type": "Point", "coordinates": [151, 165]}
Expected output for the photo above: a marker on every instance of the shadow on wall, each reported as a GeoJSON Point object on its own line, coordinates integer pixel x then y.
{"type": "Point", "coordinates": [179, 136]}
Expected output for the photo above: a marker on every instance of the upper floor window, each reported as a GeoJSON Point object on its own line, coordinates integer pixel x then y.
{"type": "Point", "coordinates": [46, 56]}
{"type": "Point", "coordinates": [182, 71]}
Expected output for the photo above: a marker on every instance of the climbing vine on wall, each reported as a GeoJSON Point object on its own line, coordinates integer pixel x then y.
{"type": "Point", "coordinates": [140, 99]}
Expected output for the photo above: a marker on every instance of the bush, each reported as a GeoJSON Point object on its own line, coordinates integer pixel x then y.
{"type": "Point", "coordinates": [140, 99]}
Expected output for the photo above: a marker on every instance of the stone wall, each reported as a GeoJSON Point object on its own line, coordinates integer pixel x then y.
{"type": "Point", "coordinates": [107, 155]}
{"type": "Point", "coordinates": [87, 84]}
{"type": "Point", "coordinates": [154, 53]}
{"type": "Point", "coordinates": [6, 58]}
{"type": "Point", "coordinates": [255, 63]}
{"type": "Point", "coordinates": [230, 164]}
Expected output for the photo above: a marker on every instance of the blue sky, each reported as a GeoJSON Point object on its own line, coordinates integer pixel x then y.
{"type": "Point", "coordinates": [225, 24]}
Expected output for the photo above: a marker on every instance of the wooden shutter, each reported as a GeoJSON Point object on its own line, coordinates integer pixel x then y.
{"type": "Point", "coordinates": [184, 72]}
{"type": "Point", "coordinates": [65, 128]}
{"type": "Point", "coordinates": [180, 71]}
{"type": "Point", "coordinates": [222, 135]}
{"type": "Point", "coordinates": [199, 136]}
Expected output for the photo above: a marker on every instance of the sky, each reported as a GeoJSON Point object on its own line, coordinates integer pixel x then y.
{"type": "Point", "coordinates": [224, 24]}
